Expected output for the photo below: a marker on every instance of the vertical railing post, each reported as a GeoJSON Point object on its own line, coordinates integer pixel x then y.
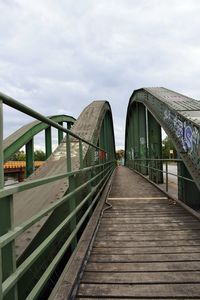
{"type": "Point", "coordinates": [7, 253]}
{"type": "Point", "coordinates": [60, 134]}
{"type": "Point", "coordinates": [1, 275]}
{"type": "Point", "coordinates": [166, 166]}
{"type": "Point", "coordinates": [48, 142]}
{"type": "Point", "coordinates": [69, 125]}
{"type": "Point", "coordinates": [29, 158]}
{"type": "Point", "coordinates": [72, 201]}
{"type": "Point", "coordinates": [89, 176]}
{"type": "Point", "coordinates": [68, 151]}
{"type": "Point", "coordinates": [157, 172]}
{"type": "Point", "coordinates": [81, 154]}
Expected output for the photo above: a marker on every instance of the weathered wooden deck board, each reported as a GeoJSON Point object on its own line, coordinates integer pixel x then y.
{"type": "Point", "coordinates": [142, 244]}
{"type": "Point", "coordinates": [115, 258]}
{"type": "Point", "coordinates": [141, 277]}
{"type": "Point", "coordinates": [146, 247]}
{"type": "Point", "coordinates": [149, 250]}
{"type": "Point", "coordinates": [118, 298]}
{"type": "Point", "coordinates": [143, 267]}
{"type": "Point", "coordinates": [133, 291]}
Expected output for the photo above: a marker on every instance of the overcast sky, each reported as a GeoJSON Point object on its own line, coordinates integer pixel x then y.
{"type": "Point", "coordinates": [58, 56]}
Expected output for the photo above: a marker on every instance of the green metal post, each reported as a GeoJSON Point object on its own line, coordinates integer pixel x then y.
{"type": "Point", "coordinates": [105, 139]}
{"type": "Point", "coordinates": [29, 158]}
{"type": "Point", "coordinates": [98, 152]}
{"type": "Point", "coordinates": [69, 125]}
{"type": "Point", "coordinates": [102, 145]}
{"type": "Point", "coordinates": [60, 134]}
{"type": "Point", "coordinates": [68, 152]}
{"type": "Point", "coordinates": [48, 142]}
{"type": "Point", "coordinates": [72, 186]}
{"type": "Point", "coordinates": [155, 147]}
{"type": "Point", "coordinates": [81, 154]}
{"type": "Point", "coordinates": [89, 176]}
{"type": "Point", "coordinates": [7, 254]}
{"type": "Point", "coordinates": [108, 138]}
{"type": "Point", "coordinates": [142, 137]}
{"type": "Point", "coordinates": [136, 133]}
{"type": "Point", "coordinates": [132, 141]}
{"type": "Point", "coordinates": [166, 176]}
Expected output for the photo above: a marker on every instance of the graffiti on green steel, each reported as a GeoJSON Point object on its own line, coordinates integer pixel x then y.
{"type": "Point", "coordinates": [187, 133]}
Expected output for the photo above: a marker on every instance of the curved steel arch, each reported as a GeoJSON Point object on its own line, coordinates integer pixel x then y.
{"type": "Point", "coordinates": [94, 125]}
{"type": "Point", "coordinates": [23, 135]}
{"type": "Point", "coordinates": [179, 116]}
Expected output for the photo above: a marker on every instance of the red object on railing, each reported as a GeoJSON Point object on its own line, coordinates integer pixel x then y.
{"type": "Point", "coordinates": [102, 155]}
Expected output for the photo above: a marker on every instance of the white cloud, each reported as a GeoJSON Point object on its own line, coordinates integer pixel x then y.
{"type": "Point", "coordinates": [57, 56]}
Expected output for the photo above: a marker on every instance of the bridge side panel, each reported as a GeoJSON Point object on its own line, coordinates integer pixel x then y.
{"type": "Point", "coordinates": [187, 191]}
{"type": "Point", "coordinates": [179, 116]}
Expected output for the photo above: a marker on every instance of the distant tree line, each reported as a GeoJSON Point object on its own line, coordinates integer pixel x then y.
{"type": "Point", "coordinates": [119, 154]}
{"type": "Point", "coordinates": [20, 155]}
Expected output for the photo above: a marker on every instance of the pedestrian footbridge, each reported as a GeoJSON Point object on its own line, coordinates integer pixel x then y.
{"type": "Point", "coordinates": [82, 227]}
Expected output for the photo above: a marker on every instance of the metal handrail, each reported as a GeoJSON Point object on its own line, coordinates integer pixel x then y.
{"type": "Point", "coordinates": [103, 170]}
{"type": "Point", "coordinates": [134, 161]}
{"type": "Point", "coordinates": [32, 113]}
{"type": "Point", "coordinates": [12, 234]}
{"type": "Point", "coordinates": [12, 279]}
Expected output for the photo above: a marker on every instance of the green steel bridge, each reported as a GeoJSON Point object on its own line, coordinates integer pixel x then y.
{"type": "Point", "coordinates": [82, 227]}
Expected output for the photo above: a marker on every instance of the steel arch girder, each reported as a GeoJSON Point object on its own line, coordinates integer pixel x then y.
{"type": "Point", "coordinates": [23, 135]}
{"type": "Point", "coordinates": [175, 118]}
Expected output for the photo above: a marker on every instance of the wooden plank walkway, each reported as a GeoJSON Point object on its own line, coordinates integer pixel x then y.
{"type": "Point", "coordinates": [146, 247]}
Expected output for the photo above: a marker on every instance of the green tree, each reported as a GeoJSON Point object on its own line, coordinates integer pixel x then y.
{"type": "Point", "coordinates": [167, 145]}
{"type": "Point", "coordinates": [119, 154]}
{"type": "Point", "coordinates": [20, 155]}
{"type": "Point", "coordinates": [39, 155]}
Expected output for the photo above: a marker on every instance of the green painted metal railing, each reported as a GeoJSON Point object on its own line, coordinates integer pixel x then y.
{"type": "Point", "coordinates": [148, 164]}
{"type": "Point", "coordinates": [10, 273]}
{"type": "Point", "coordinates": [27, 133]}
{"type": "Point", "coordinates": [156, 166]}
{"type": "Point", "coordinates": [25, 137]}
